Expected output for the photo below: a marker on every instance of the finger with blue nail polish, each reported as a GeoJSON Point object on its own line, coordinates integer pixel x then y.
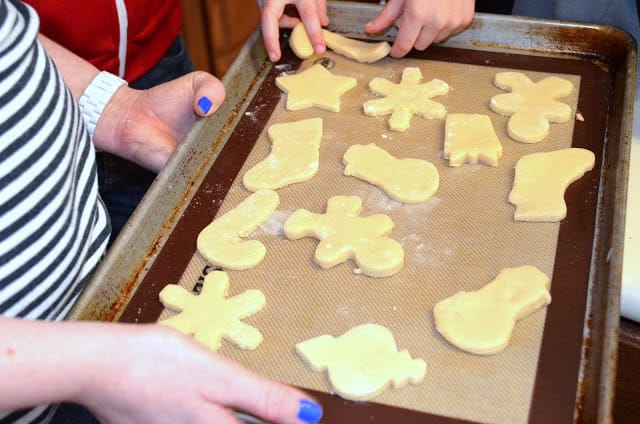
{"type": "Point", "coordinates": [204, 104]}
{"type": "Point", "coordinates": [310, 412]}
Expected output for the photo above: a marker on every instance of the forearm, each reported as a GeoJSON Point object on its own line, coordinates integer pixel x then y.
{"type": "Point", "coordinates": [45, 362]}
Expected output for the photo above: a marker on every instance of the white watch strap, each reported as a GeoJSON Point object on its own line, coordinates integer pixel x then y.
{"type": "Point", "coordinates": [96, 96]}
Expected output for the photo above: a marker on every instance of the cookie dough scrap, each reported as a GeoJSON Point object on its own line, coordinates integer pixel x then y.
{"type": "Point", "coordinates": [344, 235]}
{"type": "Point", "coordinates": [210, 317]}
{"type": "Point", "coordinates": [470, 138]}
{"type": "Point", "coordinates": [482, 321]}
{"type": "Point", "coordinates": [363, 362]}
{"type": "Point", "coordinates": [409, 97]}
{"type": "Point", "coordinates": [531, 105]}
{"type": "Point", "coordinates": [294, 156]}
{"type": "Point", "coordinates": [405, 180]}
{"type": "Point", "coordinates": [360, 51]}
{"type": "Point", "coordinates": [541, 180]}
{"type": "Point", "coordinates": [315, 86]}
{"type": "Point", "coordinates": [221, 242]}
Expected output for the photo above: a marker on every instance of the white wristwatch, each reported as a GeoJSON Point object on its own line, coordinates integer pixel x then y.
{"type": "Point", "coordinates": [96, 96]}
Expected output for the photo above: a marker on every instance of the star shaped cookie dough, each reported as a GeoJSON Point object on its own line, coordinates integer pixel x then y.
{"type": "Point", "coordinates": [406, 99]}
{"type": "Point", "coordinates": [315, 86]}
{"type": "Point", "coordinates": [363, 362]}
{"type": "Point", "coordinates": [209, 317]}
{"type": "Point", "coordinates": [531, 105]}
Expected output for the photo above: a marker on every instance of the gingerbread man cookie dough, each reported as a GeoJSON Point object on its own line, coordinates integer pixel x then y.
{"type": "Point", "coordinates": [209, 317]}
{"type": "Point", "coordinates": [363, 362]}
{"type": "Point", "coordinates": [344, 235]}
{"type": "Point", "coordinates": [409, 97]}
{"type": "Point", "coordinates": [531, 105]}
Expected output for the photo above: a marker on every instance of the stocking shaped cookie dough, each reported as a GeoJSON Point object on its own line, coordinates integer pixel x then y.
{"type": "Point", "coordinates": [295, 152]}
{"type": "Point", "coordinates": [209, 317]}
{"type": "Point", "coordinates": [531, 105]}
{"type": "Point", "coordinates": [363, 362]}
{"type": "Point", "coordinates": [221, 242]}
{"type": "Point", "coordinates": [409, 97]}
{"type": "Point", "coordinates": [405, 180]}
{"type": "Point", "coordinates": [315, 86]}
{"type": "Point", "coordinates": [482, 321]}
{"type": "Point", "coordinates": [344, 235]}
{"type": "Point", "coordinates": [541, 180]}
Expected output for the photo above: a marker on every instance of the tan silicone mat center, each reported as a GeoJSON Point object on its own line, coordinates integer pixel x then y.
{"type": "Point", "coordinates": [457, 240]}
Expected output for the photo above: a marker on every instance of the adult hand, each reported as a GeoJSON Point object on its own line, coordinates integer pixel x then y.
{"type": "Point", "coordinates": [145, 126]}
{"type": "Point", "coordinates": [157, 375]}
{"type": "Point", "coordinates": [313, 14]}
{"type": "Point", "coordinates": [422, 22]}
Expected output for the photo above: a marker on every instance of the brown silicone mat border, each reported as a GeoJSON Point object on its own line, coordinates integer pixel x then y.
{"type": "Point", "coordinates": [556, 386]}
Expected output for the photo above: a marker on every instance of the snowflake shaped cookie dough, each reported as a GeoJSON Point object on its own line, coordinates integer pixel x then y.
{"type": "Point", "coordinates": [363, 362]}
{"type": "Point", "coordinates": [315, 86]}
{"type": "Point", "coordinates": [344, 235]}
{"type": "Point", "coordinates": [209, 317]}
{"type": "Point", "coordinates": [531, 105]}
{"type": "Point", "coordinates": [406, 99]}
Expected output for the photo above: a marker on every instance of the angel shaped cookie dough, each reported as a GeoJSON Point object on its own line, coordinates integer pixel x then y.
{"type": "Point", "coordinates": [363, 362]}
{"type": "Point", "coordinates": [209, 317]}
{"type": "Point", "coordinates": [409, 97]}
{"type": "Point", "coordinates": [482, 321]}
{"type": "Point", "coordinates": [344, 235]}
{"type": "Point", "coordinates": [531, 105]}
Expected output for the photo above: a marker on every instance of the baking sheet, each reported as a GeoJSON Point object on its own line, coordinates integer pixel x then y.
{"type": "Point", "coordinates": [579, 390]}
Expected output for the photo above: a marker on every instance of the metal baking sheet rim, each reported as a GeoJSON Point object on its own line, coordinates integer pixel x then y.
{"type": "Point", "coordinates": [126, 263]}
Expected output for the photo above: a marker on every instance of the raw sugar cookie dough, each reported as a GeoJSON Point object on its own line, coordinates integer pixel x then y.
{"type": "Point", "coordinates": [409, 97]}
{"type": "Point", "coordinates": [482, 321]}
{"type": "Point", "coordinates": [294, 157]}
{"type": "Point", "coordinates": [405, 180]}
{"type": "Point", "coordinates": [221, 243]}
{"type": "Point", "coordinates": [363, 362]}
{"type": "Point", "coordinates": [541, 180]}
{"type": "Point", "coordinates": [315, 87]}
{"type": "Point", "coordinates": [531, 105]}
{"type": "Point", "coordinates": [360, 51]}
{"type": "Point", "coordinates": [209, 316]}
{"type": "Point", "coordinates": [470, 138]}
{"type": "Point", "coordinates": [345, 235]}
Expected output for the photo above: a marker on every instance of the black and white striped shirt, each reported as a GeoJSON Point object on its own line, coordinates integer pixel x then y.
{"type": "Point", "coordinates": [53, 225]}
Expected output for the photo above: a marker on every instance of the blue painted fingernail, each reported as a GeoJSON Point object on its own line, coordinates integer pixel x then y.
{"type": "Point", "coordinates": [309, 412]}
{"type": "Point", "coordinates": [204, 104]}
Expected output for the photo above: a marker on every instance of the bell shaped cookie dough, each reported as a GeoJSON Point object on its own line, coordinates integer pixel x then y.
{"type": "Point", "coordinates": [360, 51]}
{"type": "Point", "coordinates": [405, 180]}
{"type": "Point", "coordinates": [209, 316]}
{"type": "Point", "coordinates": [345, 235]}
{"type": "Point", "coordinates": [470, 138]}
{"type": "Point", "coordinates": [315, 86]}
{"type": "Point", "coordinates": [409, 97]}
{"type": "Point", "coordinates": [541, 180]}
{"type": "Point", "coordinates": [531, 105]}
{"type": "Point", "coordinates": [294, 157]}
{"type": "Point", "coordinates": [363, 362]}
{"type": "Point", "coordinates": [221, 242]}
{"type": "Point", "coordinates": [482, 321]}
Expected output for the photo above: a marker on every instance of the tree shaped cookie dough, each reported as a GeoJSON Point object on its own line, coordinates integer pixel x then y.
{"type": "Point", "coordinates": [405, 180]}
{"type": "Point", "coordinates": [209, 317]}
{"type": "Point", "coordinates": [360, 51]}
{"type": "Point", "coordinates": [315, 86]}
{"type": "Point", "coordinates": [531, 105]}
{"type": "Point", "coordinates": [344, 235]}
{"type": "Point", "coordinates": [294, 156]}
{"type": "Point", "coordinates": [470, 138]}
{"type": "Point", "coordinates": [363, 362]}
{"type": "Point", "coordinates": [221, 242]}
{"type": "Point", "coordinates": [482, 321]}
{"type": "Point", "coordinates": [541, 180]}
{"type": "Point", "coordinates": [406, 99]}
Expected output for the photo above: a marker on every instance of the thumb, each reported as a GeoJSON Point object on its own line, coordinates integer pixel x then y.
{"type": "Point", "coordinates": [208, 93]}
{"type": "Point", "coordinates": [386, 17]}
